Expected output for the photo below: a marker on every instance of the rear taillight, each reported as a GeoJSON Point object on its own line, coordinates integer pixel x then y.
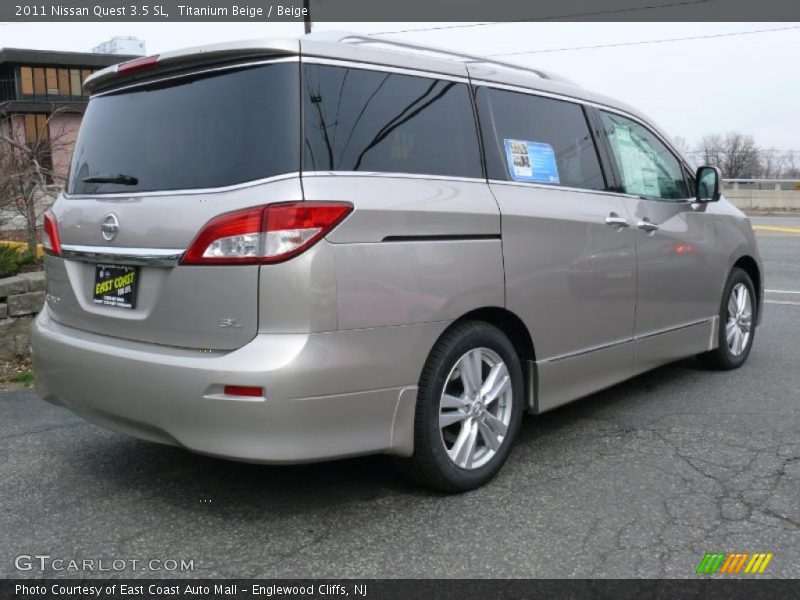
{"type": "Point", "coordinates": [265, 234]}
{"type": "Point", "coordinates": [50, 239]}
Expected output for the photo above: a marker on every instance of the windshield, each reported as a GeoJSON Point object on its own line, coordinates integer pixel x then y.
{"type": "Point", "coordinates": [206, 131]}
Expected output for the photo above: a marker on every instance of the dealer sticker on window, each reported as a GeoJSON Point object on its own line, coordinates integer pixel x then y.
{"type": "Point", "coordinates": [533, 162]}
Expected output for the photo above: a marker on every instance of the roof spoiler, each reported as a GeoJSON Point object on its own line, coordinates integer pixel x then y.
{"type": "Point", "coordinates": [180, 60]}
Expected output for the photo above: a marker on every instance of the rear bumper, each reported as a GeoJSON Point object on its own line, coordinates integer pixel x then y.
{"type": "Point", "coordinates": [327, 395]}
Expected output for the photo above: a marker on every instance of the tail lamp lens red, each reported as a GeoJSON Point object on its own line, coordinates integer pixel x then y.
{"type": "Point", "coordinates": [137, 64]}
{"type": "Point", "coordinates": [50, 239]}
{"type": "Point", "coordinates": [265, 234]}
{"type": "Point", "coordinates": [242, 390]}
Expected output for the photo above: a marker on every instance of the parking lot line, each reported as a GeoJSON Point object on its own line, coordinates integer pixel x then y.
{"type": "Point", "coordinates": [789, 302]}
{"type": "Point", "coordinates": [782, 291]}
{"type": "Point", "coordinates": [793, 230]}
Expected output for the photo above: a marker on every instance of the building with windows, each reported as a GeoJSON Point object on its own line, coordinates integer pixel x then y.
{"type": "Point", "coordinates": [42, 97]}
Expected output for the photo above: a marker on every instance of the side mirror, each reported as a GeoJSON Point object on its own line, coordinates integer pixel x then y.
{"type": "Point", "coordinates": [707, 184]}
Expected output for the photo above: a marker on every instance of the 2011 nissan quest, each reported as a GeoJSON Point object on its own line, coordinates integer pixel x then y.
{"type": "Point", "coordinates": [299, 250]}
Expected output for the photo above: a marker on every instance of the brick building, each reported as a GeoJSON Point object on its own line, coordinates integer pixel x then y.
{"type": "Point", "coordinates": [34, 83]}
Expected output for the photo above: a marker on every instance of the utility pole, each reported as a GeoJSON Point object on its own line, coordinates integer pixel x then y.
{"type": "Point", "coordinates": [307, 15]}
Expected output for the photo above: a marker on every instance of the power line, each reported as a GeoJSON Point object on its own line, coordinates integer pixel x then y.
{"type": "Point", "coordinates": [661, 41]}
{"type": "Point", "coordinates": [552, 17]}
{"type": "Point", "coordinates": [461, 26]}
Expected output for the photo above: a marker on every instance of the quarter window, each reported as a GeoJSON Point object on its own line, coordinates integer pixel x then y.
{"type": "Point", "coordinates": [535, 139]}
{"type": "Point", "coordinates": [363, 120]}
{"type": "Point", "coordinates": [647, 167]}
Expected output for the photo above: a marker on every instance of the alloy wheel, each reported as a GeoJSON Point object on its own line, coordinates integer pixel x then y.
{"type": "Point", "coordinates": [475, 408]}
{"type": "Point", "coordinates": [740, 319]}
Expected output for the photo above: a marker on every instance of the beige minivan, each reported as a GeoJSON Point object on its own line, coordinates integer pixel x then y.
{"type": "Point", "coordinates": [298, 250]}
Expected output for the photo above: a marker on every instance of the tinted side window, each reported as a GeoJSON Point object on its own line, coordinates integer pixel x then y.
{"type": "Point", "coordinates": [362, 120]}
{"type": "Point", "coordinates": [647, 167]}
{"type": "Point", "coordinates": [537, 140]}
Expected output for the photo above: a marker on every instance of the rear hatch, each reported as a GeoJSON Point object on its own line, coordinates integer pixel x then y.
{"type": "Point", "coordinates": [154, 163]}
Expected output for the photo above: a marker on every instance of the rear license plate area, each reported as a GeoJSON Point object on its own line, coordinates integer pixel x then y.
{"type": "Point", "coordinates": [115, 285]}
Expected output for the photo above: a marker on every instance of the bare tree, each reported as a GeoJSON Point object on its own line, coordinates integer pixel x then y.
{"type": "Point", "coordinates": [735, 153]}
{"type": "Point", "coordinates": [682, 144]}
{"type": "Point", "coordinates": [791, 165]}
{"type": "Point", "coordinates": [28, 181]}
{"type": "Point", "coordinates": [772, 163]}
{"type": "Point", "coordinates": [710, 149]}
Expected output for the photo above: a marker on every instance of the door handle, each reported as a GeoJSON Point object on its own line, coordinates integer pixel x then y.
{"type": "Point", "coordinates": [646, 225]}
{"type": "Point", "coordinates": [614, 219]}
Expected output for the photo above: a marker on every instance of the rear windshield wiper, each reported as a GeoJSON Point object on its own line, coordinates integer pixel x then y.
{"type": "Point", "coordinates": [119, 178]}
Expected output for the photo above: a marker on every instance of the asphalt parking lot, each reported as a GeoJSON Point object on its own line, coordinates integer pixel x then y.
{"type": "Point", "coordinates": [640, 480]}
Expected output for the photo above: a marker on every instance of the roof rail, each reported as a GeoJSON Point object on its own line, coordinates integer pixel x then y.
{"type": "Point", "coordinates": [351, 38]}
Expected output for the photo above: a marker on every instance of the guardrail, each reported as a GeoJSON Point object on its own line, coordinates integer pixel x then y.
{"type": "Point", "coordinates": [762, 184]}
{"type": "Point", "coordinates": [763, 194]}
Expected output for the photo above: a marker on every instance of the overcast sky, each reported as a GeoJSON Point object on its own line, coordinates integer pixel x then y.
{"type": "Point", "coordinates": [749, 83]}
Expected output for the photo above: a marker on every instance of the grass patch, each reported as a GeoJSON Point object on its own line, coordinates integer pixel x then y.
{"type": "Point", "coordinates": [23, 377]}
{"type": "Point", "coordinates": [16, 372]}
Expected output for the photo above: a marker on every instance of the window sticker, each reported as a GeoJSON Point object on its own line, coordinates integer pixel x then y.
{"type": "Point", "coordinates": [533, 162]}
{"type": "Point", "coordinates": [637, 162]}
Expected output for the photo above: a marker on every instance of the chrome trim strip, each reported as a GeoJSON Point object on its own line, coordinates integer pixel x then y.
{"type": "Point", "coordinates": [650, 334]}
{"type": "Point", "coordinates": [393, 175]}
{"type": "Point", "coordinates": [553, 187]}
{"type": "Point", "coordinates": [584, 351]}
{"type": "Point", "coordinates": [535, 91]}
{"type": "Point", "coordinates": [191, 73]}
{"type": "Point", "coordinates": [185, 192]}
{"type": "Point", "coordinates": [148, 257]}
{"type": "Point", "coordinates": [336, 62]}
{"type": "Point", "coordinates": [566, 188]}
{"type": "Point", "coordinates": [634, 338]}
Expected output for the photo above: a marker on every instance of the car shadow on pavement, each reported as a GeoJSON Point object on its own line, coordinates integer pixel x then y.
{"type": "Point", "coordinates": [182, 478]}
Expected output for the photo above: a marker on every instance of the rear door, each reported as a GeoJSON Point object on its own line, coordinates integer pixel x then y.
{"type": "Point", "coordinates": [677, 265]}
{"type": "Point", "coordinates": [423, 243]}
{"type": "Point", "coordinates": [153, 163]}
{"type": "Point", "coordinates": [569, 254]}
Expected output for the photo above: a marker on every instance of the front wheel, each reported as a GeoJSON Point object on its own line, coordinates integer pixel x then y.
{"type": "Point", "coordinates": [736, 323]}
{"type": "Point", "coordinates": [469, 407]}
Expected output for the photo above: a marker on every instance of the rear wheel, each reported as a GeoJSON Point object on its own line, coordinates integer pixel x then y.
{"type": "Point", "coordinates": [736, 323]}
{"type": "Point", "coordinates": [469, 408]}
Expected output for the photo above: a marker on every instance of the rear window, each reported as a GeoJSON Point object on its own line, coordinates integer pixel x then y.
{"type": "Point", "coordinates": [363, 120]}
{"type": "Point", "coordinates": [206, 131]}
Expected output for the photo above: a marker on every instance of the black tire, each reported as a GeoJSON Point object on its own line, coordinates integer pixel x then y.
{"type": "Point", "coordinates": [722, 358]}
{"type": "Point", "coordinates": [430, 465]}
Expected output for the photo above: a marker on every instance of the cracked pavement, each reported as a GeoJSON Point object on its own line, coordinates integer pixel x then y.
{"type": "Point", "coordinates": [640, 480]}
